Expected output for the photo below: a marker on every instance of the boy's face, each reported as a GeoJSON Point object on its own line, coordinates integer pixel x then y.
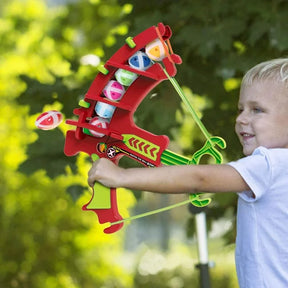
{"type": "Point", "coordinates": [263, 116]}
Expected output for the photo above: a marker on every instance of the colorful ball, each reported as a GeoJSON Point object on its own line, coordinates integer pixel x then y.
{"type": "Point", "coordinates": [99, 123]}
{"type": "Point", "coordinates": [156, 51]}
{"type": "Point", "coordinates": [104, 110]}
{"type": "Point", "coordinates": [49, 120]}
{"type": "Point", "coordinates": [140, 61]}
{"type": "Point", "coordinates": [114, 90]}
{"type": "Point", "coordinates": [125, 77]}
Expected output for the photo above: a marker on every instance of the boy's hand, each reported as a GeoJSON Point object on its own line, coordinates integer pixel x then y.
{"type": "Point", "coordinates": [105, 172]}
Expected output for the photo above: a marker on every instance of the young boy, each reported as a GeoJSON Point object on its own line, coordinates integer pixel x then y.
{"type": "Point", "coordinates": [260, 178]}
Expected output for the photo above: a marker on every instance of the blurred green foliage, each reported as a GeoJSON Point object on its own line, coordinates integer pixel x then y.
{"type": "Point", "coordinates": [46, 240]}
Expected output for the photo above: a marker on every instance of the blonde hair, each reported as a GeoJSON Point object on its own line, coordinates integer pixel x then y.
{"type": "Point", "coordinates": [276, 69]}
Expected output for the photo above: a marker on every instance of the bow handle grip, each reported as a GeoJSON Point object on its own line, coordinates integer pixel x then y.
{"type": "Point", "coordinates": [104, 204]}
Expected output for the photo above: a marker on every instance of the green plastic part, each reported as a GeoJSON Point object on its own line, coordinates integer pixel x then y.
{"type": "Point", "coordinates": [94, 157]}
{"type": "Point", "coordinates": [101, 196]}
{"type": "Point", "coordinates": [199, 202]}
{"type": "Point", "coordinates": [141, 146]}
{"type": "Point", "coordinates": [103, 70]}
{"type": "Point", "coordinates": [130, 42]}
{"type": "Point", "coordinates": [209, 149]}
{"type": "Point", "coordinates": [171, 158]}
{"type": "Point", "coordinates": [86, 131]}
{"type": "Point", "coordinates": [84, 104]}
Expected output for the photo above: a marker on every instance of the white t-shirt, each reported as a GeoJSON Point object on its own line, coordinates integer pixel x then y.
{"type": "Point", "coordinates": [262, 220]}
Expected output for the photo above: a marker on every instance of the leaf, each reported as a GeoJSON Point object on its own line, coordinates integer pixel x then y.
{"type": "Point", "coordinates": [75, 191]}
{"type": "Point", "coordinates": [47, 154]}
{"type": "Point", "coordinates": [38, 94]}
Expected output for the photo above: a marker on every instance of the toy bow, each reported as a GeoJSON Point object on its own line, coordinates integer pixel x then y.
{"type": "Point", "coordinates": [105, 126]}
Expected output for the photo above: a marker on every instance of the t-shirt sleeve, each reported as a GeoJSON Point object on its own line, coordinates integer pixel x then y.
{"type": "Point", "coordinates": [256, 172]}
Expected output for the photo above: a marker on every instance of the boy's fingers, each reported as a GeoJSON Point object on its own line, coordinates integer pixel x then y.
{"type": "Point", "coordinates": [91, 181]}
{"type": "Point", "coordinates": [91, 177]}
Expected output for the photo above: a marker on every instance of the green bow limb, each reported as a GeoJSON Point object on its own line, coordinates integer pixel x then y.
{"type": "Point", "coordinates": [170, 158]}
{"type": "Point", "coordinates": [207, 149]}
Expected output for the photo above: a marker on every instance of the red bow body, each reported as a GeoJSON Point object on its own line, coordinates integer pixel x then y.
{"type": "Point", "coordinates": [122, 137]}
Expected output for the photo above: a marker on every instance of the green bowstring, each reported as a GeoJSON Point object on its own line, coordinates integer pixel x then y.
{"type": "Point", "coordinates": [180, 92]}
{"type": "Point", "coordinates": [152, 212]}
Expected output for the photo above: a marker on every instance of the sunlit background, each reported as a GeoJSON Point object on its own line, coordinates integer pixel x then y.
{"type": "Point", "coordinates": [50, 51]}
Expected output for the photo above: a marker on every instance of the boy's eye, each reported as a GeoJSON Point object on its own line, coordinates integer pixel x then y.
{"type": "Point", "coordinates": [257, 110]}
{"type": "Point", "coordinates": [240, 110]}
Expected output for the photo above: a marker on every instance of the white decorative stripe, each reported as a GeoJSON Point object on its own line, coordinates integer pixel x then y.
{"type": "Point", "coordinates": [43, 118]}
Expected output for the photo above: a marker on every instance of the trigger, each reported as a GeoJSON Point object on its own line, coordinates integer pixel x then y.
{"type": "Point", "coordinates": [94, 157]}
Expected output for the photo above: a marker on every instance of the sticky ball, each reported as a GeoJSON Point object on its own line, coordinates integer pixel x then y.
{"type": "Point", "coordinates": [140, 61]}
{"type": "Point", "coordinates": [49, 120]}
{"type": "Point", "coordinates": [99, 123]}
{"type": "Point", "coordinates": [156, 50]}
{"type": "Point", "coordinates": [104, 110]}
{"type": "Point", "coordinates": [125, 77]}
{"type": "Point", "coordinates": [114, 90]}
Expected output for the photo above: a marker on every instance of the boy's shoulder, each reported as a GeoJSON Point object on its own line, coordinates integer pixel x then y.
{"type": "Point", "coordinates": [263, 161]}
{"type": "Point", "coordinates": [264, 170]}
{"type": "Point", "coordinates": [278, 154]}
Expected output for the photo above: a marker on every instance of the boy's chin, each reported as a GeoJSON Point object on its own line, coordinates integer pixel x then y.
{"type": "Point", "coordinates": [247, 151]}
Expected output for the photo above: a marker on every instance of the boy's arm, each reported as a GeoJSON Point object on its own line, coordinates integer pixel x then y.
{"type": "Point", "coordinates": [169, 179]}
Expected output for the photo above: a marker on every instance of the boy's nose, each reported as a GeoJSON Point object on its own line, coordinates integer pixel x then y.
{"type": "Point", "coordinates": [242, 118]}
